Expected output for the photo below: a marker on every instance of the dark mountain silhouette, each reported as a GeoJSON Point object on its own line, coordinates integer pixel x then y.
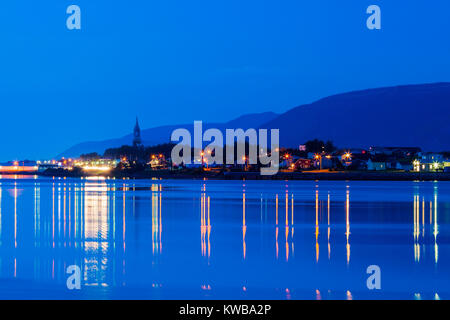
{"type": "Point", "coordinates": [158, 135]}
{"type": "Point", "coordinates": [412, 115]}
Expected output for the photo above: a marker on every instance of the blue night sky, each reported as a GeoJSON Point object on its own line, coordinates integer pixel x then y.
{"type": "Point", "coordinates": [177, 61]}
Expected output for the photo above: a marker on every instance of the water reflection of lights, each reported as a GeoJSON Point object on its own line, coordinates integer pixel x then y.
{"type": "Point", "coordinates": [320, 218]}
{"type": "Point", "coordinates": [1, 266]}
{"type": "Point", "coordinates": [244, 227]}
{"type": "Point", "coordinates": [156, 219]}
{"type": "Point", "coordinates": [329, 230]}
{"type": "Point", "coordinates": [15, 221]}
{"type": "Point", "coordinates": [286, 236]}
{"type": "Point", "coordinates": [206, 287]}
{"type": "Point", "coordinates": [416, 233]}
{"type": "Point", "coordinates": [419, 209]}
{"type": "Point", "coordinates": [317, 226]}
{"type": "Point", "coordinates": [289, 226]}
{"type": "Point", "coordinates": [292, 224]}
{"type": "Point", "coordinates": [318, 295]}
{"type": "Point", "coordinates": [349, 295]}
{"type": "Point", "coordinates": [124, 228]}
{"type": "Point", "coordinates": [83, 215]}
{"type": "Point", "coordinates": [276, 227]}
{"type": "Point", "coordinates": [347, 224]}
{"type": "Point", "coordinates": [205, 224]}
{"type": "Point", "coordinates": [37, 212]}
{"type": "Point", "coordinates": [435, 229]}
{"type": "Point", "coordinates": [81, 220]}
{"type": "Point", "coordinates": [288, 294]}
{"type": "Point", "coordinates": [0, 216]}
{"type": "Point", "coordinates": [96, 229]}
{"type": "Point", "coordinates": [53, 215]}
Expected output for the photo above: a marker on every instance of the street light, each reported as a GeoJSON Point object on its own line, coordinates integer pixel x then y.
{"type": "Point", "coordinates": [244, 158]}
{"type": "Point", "coordinates": [209, 157]}
{"type": "Point", "coordinates": [202, 154]}
{"type": "Point", "coordinates": [319, 157]}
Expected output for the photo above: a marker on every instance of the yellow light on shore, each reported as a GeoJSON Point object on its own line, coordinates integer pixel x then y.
{"type": "Point", "coordinates": [96, 168]}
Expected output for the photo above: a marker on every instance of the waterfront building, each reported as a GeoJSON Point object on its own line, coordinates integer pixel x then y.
{"type": "Point", "coordinates": [376, 165]}
{"type": "Point", "coordinates": [302, 164]}
{"type": "Point", "coordinates": [430, 157]}
{"type": "Point", "coordinates": [322, 161]}
{"type": "Point", "coordinates": [19, 167]}
{"type": "Point", "coordinates": [431, 162]}
{"type": "Point", "coordinates": [405, 165]}
{"type": "Point", "coordinates": [157, 162]}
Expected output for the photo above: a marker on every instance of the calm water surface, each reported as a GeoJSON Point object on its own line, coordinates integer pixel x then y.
{"type": "Point", "coordinates": [179, 239]}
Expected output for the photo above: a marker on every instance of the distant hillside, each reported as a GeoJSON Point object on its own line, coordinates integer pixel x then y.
{"type": "Point", "coordinates": [413, 115]}
{"type": "Point", "coordinates": [158, 135]}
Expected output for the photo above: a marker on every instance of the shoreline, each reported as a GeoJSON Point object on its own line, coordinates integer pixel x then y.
{"type": "Point", "coordinates": [197, 175]}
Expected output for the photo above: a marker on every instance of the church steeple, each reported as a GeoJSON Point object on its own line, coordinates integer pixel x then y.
{"type": "Point", "coordinates": [137, 141]}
